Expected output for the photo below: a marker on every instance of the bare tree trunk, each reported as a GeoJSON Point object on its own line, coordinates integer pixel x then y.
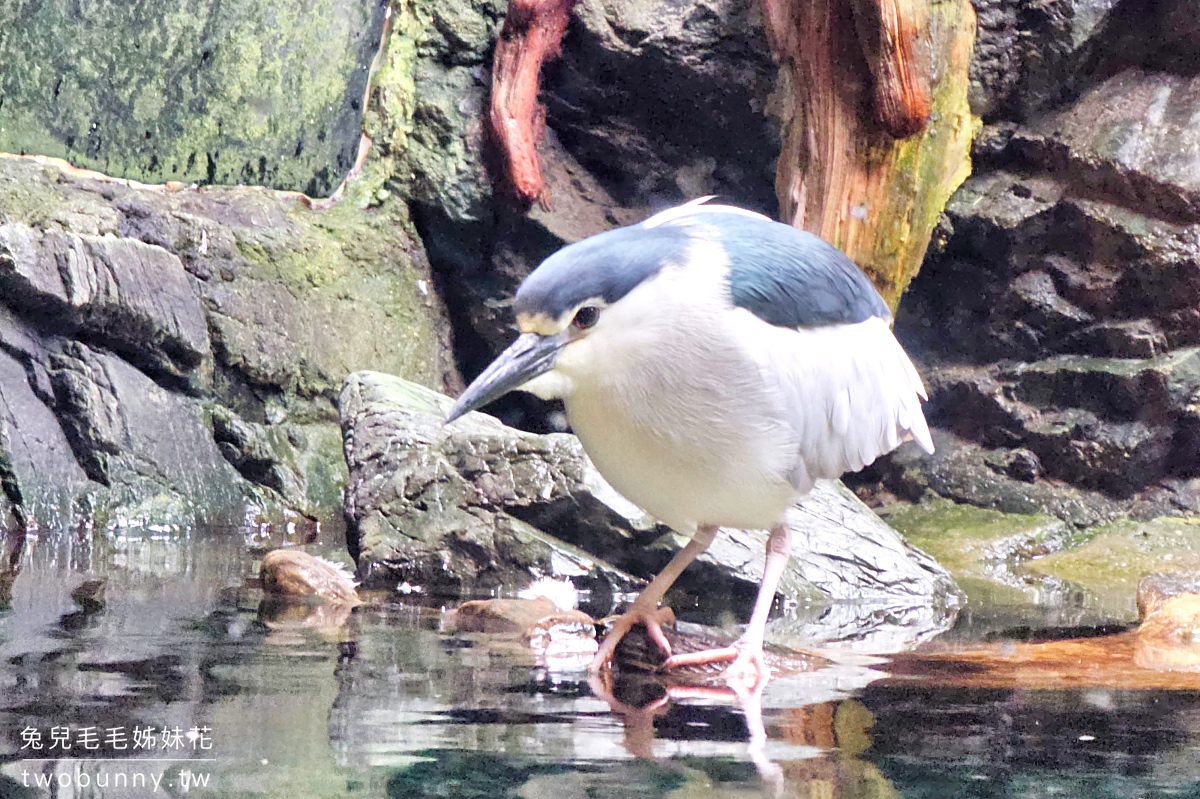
{"type": "Point", "coordinates": [877, 129]}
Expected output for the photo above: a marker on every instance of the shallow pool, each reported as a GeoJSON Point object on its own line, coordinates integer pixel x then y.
{"type": "Point", "coordinates": [176, 682]}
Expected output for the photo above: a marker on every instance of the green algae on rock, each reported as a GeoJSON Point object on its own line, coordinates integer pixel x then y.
{"type": "Point", "coordinates": [1117, 555]}
{"type": "Point", "coordinates": [251, 92]}
{"type": "Point", "coordinates": [270, 305]}
{"type": "Point", "coordinates": [984, 549]}
{"type": "Point", "coordinates": [972, 541]}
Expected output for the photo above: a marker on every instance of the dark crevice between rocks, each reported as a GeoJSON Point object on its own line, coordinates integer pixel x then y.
{"type": "Point", "coordinates": [460, 254]}
{"type": "Point", "coordinates": [248, 449]}
{"type": "Point", "coordinates": [618, 112]}
{"type": "Point", "coordinates": [233, 386]}
{"type": "Point", "coordinates": [83, 397]}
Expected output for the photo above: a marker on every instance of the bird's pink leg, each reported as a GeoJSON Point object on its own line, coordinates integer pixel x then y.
{"type": "Point", "coordinates": [746, 654]}
{"type": "Point", "coordinates": [645, 608]}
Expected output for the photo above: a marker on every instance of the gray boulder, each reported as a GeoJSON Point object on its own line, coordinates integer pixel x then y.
{"type": "Point", "coordinates": [478, 504]}
{"type": "Point", "coordinates": [1058, 322]}
{"type": "Point", "coordinates": [133, 296]}
{"type": "Point", "coordinates": [255, 92]}
{"type": "Point", "coordinates": [174, 355]}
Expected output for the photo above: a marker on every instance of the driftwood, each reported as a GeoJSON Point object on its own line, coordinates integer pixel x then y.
{"type": "Point", "coordinates": [877, 129]}
{"type": "Point", "coordinates": [531, 34]}
{"type": "Point", "coordinates": [638, 653]}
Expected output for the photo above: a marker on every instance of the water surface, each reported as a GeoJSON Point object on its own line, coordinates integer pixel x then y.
{"type": "Point", "coordinates": [388, 705]}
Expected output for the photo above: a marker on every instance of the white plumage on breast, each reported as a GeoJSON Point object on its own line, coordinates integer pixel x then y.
{"type": "Point", "coordinates": [768, 411]}
{"type": "Point", "coordinates": [671, 437]}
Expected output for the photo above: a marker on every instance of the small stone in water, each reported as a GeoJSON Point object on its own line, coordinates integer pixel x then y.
{"type": "Point", "coordinates": [89, 595]}
{"type": "Point", "coordinates": [1155, 589]}
{"type": "Point", "coordinates": [293, 573]}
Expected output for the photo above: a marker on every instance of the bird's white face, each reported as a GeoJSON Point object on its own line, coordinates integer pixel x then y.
{"type": "Point", "coordinates": [574, 328]}
{"type": "Point", "coordinates": [594, 342]}
{"type": "Point", "coordinates": [545, 360]}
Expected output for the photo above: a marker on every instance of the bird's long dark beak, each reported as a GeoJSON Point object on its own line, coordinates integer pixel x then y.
{"type": "Point", "coordinates": [526, 358]}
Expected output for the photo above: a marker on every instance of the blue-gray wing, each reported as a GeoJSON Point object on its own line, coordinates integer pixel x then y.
{"type": "Point", "coordinates": [791, 278]}
{"type": "Point", "coordinates": [819, 333]}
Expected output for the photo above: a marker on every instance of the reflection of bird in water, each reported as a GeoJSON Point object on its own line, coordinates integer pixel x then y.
{"type": "Point", "coordinates": [714, 364]}
{"type": "Point", "coordinates": [826, 737]}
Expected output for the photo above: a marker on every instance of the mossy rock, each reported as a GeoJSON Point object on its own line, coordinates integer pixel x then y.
{"type": "Point", "coordinates": [969, 541]}
{"type": "Point", "coordinates": [288, 300]}
{"type": "Point", "coordinates": [1119, 554]}
{"type": "Point", "coordinates": [254, 92]}
{"type": "Point", "coordinates": [984, 549]}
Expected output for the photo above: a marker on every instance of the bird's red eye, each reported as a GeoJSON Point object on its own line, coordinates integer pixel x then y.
{"type": "Point", "coordinates": [586, 317]}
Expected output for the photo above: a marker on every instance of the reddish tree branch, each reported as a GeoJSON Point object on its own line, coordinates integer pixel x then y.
{"type": "Point", "coordinates": [531, 35]}
{"type": "Point", "coordinates": [889, 32]}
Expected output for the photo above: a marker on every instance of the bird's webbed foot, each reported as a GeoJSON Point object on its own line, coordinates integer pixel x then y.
{"type": "Point", "coordinates": [652, 618]}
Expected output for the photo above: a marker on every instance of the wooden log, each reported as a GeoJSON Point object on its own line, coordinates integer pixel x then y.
{"type": "Point", "coordinates": [889, 32]}
{"type": "Point", "coordinates": [855, 75]}
{"type": "Point", "coordinates": [531, 34]}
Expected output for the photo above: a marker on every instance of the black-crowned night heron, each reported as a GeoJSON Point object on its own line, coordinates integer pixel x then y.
{"type": "Point", "coordinates": [714, 364]}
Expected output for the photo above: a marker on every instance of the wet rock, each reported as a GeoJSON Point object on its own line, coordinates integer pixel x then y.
{"type": "Point", "coordinates": [498, 616]}
{"type": "Point", "coordinates": [1154, 590]}
{"type": "Point", "coordinates": [432, 504]}
{"type": "Point", "coordinates": [562, 640]}
{"type": "Point", "coordinates": [1167, 638]}
{"type": "Point", "coordinates": [295, 574]}
{"type": "Point", "coordinates": [38, 456]}
{"type": "Point", "coordinates": [1116, 556]}
{"type": "Point", "coordinates": [476, 502]}
{"type": "Point", "coordinates": [131, 296]}
{"type": "Point", "coordinates": [254, 92]}
{"type": "Point", "coordinates": [848, 553]}
{"type": "Point", "coordinates": [975, 541]}
{"type": "Point", "coordinates": [292, 459]}
{"type": "Point", "coordinates": [967, 473]}
{"type": "Point", "coordinates": [140, 440]}
{"type": "Point", "coordinates": [89, 595]}
{"type": "Point", "coordinates": [236, 308]}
